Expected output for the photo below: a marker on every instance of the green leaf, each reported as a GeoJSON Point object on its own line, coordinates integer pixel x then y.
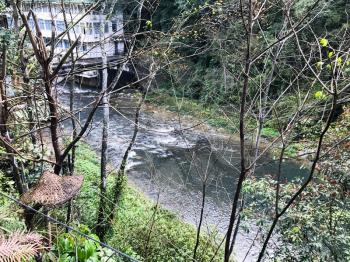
{"type": "Point", "coordinates": [319, 64]}
{"type": "Point", "coordinates": [90, 248]}
{"type": "Point", "coordinates": [330, 54]}
{"type": "Point", "coordinates": [295, 230]}
{"type": "Point", "coordinates": [339, 61]}
{"type": "Point", "coordinates": [149, 24]}
{"type": "Point", "coordinates": [320, 95]}
{"type": "Point", "coordinates": [323, 42]}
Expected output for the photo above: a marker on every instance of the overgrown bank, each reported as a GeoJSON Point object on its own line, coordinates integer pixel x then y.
{"type": "Point", "coordinates": [209, 114]}
{"type": "Point", "coordinates": [226, 119]}
{"type": "Point", "coordinates": [140, 227]}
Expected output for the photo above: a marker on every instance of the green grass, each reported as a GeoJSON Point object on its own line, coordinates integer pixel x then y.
{"type": "Point", "coordinates": [139, 228]}
{"type": "Point", "coordinates": [185, 106]}
{"type": "Point", "coordinates": [87, 203]}
{"type": "Point", "coordinates": [269, 132]}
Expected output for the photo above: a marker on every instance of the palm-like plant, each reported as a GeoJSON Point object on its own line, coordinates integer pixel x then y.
{"type": "Point", "coordinates": [19, 246]}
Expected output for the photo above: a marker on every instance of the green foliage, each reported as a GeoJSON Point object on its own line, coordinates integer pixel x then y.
{"type": "Point", "coordinates": [2, 5]}
{"type": "Point", "coordinates": [149, 24]}
{"type": "Point", "coordinates": [320, 95]}
{"type": "Point", "coordinates": [269, 132]}
{"type": "Point", "coordinates": [72, 247]}
{"type": "Point", "coordinates": [308, 129]}
{"type": "Point", "coordinates": [9, 38]}
{"type": "Point", "coordinates": [212, 114]}
{"type": "Point", "coordinates": [10, 220]}
{"type": "Point", "coordinates": [86, 203]}
{"type": "Point", "coordinates": [293, 150]}
{"type": "Point", "coordinates": [319, 64]}
{"type": "Point", "coordinates": [154, 233]}
{"type": "Point", "coordinates": [315, 228]}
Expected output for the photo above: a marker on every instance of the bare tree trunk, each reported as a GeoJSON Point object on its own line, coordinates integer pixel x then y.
{"type": "Point", "coordinates": [101, 227]}
{"type": "Point", "coordinates": [71, 157]}
{"type": "Point", "coordinates": [121, 172]}
{"type": "Point", "coordinates": [204, 186]}
{"type": "Point", "coordinates": [229, 243]}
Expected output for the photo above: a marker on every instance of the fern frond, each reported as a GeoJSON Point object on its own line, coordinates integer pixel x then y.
{"type": "Point", "coordinates": [19, 246]}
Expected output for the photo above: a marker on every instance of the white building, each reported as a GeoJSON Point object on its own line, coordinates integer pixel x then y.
{"type": "Point", "coordinates": [93, 28]}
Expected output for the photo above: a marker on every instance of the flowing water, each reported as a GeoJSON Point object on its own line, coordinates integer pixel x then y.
{"type": "Point", "coordinates": [171, 166]}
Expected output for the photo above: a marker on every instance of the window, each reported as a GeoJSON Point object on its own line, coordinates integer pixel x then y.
{"type": "Point", "coordinates": [82, 28]}
{"type": "Point", "coordinates": [106, 27]}
{"type": "Point", "coordinates": [60, 26]}
{"type": "Point", "coordinates": [41, 24]}
{"type": "Point", "coordinates": [114, 26]}
{"type": "Point", "coordinates": [53, 9]}
{"type": "Point", "coordinates": [84, 47]}
{"type": "Point", "coordinates": [48, 25]}
{"type": "Point", "coordinates": [88, 29]}
{"type": "Point", "coordinates": [37, 9]}
{"type": "Point", "coordinates": [66, 44]}
{"type": "Point", "coordinates": [77, 29]}
{"type": "Point", "coordinates": [57, 10]}
{"type": "Point", "coordinates": [97, 28]}
{"type": "Point", "coordinates": [10, 22]}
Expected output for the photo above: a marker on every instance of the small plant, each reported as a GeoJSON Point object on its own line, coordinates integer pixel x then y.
{"type": "Point", "coordinates": [19, 246]}
{"type": "Point", "coordinates": [74, 247]}
{"type": "Point", "coordinates": [269, 132]}
{"type": "Point", "coordinates": [293, 150]}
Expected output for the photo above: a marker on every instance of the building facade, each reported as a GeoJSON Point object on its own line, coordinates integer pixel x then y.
{"type": "Point", "coordinates": [93, 28]}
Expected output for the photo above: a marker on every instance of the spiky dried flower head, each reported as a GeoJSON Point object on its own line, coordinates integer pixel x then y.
{"type": "Point", "coordinates": [53, 190]}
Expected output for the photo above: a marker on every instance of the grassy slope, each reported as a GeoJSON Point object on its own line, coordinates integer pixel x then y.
{"type": "Point", "coordinates": [140, 228]}
{"type": "Point", "coordinates": [229, 122]}
{"type": "Point", "coordinates": [185, 106]}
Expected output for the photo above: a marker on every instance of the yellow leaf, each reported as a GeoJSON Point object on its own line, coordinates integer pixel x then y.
{"type": "Point", "coordinates": [339, 61]}
{"type": "Point", "coordinates": [323, 42]}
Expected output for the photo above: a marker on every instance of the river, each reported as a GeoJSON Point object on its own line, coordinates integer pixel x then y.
{"type": "Point", "coordinates": [171, 166]}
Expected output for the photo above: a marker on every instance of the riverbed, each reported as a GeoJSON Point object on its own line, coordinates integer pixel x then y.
{"type": "Point", "coordinates": [173, 158]}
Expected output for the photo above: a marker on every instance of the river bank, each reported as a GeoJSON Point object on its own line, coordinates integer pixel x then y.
{"type": "Point", "coordinates": [141, 228]}
{"type": "Point", "coordinates": [218, 120]}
